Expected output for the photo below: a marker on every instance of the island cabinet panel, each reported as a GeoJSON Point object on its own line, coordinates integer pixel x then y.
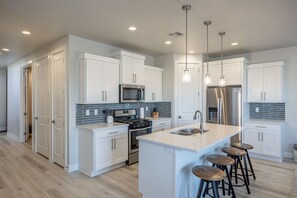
{"type": "Point", "coordinates": [265, 82]}
{"type": "Point", "coordinates": [131, 67]}
{"type": "Point", "coordinates": [153, 78]}
{"type": "Point", "coordinates": [99, 79]}
{"type": "Point", "coordinates": [101, 150]}
{"type": "Point", "coordinates": [266, 140]}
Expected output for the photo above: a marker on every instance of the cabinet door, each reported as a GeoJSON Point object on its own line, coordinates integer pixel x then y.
{"type": "Point", "coordinates": [157, 89]}
{"type": "Point", "coordinates": [111, 82]}
{"type": "Point", "coordinates": [215, 73]}
{"type": "Point", "coordinates": [233, 73]}
{"type": "Point", "coordinates": [103, 153]}
{"type": "Point", "coordinates": [273, 84]}
{"type": "Point", "coordinates": [126, 70]}
{"type": "Point", "coordinates": [120, 152]}
{"type": "Point", "coordinates": [255, 84]}
{"type": "Point", "coordinates": [94, 92]}
{"type": "Point", "coordinates": [148, 83]}
{"type": "Point", "coordinates": [138, 71]}
{"type": "Point", "coordinates": [271, 143]}
{"type": "Point", "coordinates": [253, 137]}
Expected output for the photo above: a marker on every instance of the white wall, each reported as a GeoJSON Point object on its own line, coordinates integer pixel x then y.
{"type": "Point", "coordinates": [289, 55]}
{"type": "Point", "coordinates": [3, 100]}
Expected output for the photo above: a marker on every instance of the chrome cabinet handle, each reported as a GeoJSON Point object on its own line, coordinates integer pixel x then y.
{"type": "Point", "coordinates": [115, 132]}
{"type": "Point", "coordinates": [115, 143]}
{"type": "Point", "coordinates": [105, 95]}
{"type": "Point", "coordinates": [262, 137]}
{"type": "Point", "coordinates": [162, 123]}
{"type": "Point", "coordinates": [262, 127]}
{"type": "Point", "coordinates": [264, 95]}
{"type": "Point", "coordinates": [135, 78]}
{"type": "Point", "coordinates": [261, 96]}
{"type": "Point", "coordinates": [102, 95]}
{"type": "Point", "coordinates": [111, 144]}
{"type": "Point", "coordinates": [259, 137]}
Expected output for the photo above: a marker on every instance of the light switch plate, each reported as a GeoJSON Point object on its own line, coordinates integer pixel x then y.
{"type": "Point", "coordinates": [95, 111]}
{"type": "Point", "coordinates": [87, 112]}
{"type": "Point", "coordinates": [257, 109]}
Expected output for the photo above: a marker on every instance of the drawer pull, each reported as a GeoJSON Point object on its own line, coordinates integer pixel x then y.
{"type": "Point", "coordinates": [162, 124]}
{"type": "Point", "coordinates": [262, 127]}
{"type": "Point", "coordinates": [115, 132]}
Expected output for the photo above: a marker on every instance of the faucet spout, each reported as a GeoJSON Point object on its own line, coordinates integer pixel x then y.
{"type": "Point", "coordinates": [201, 119]}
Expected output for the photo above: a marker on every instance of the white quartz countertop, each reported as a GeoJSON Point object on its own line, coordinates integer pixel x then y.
{"type": "Point", "coordinates": [266, 121]}
{"type": "Point", "coordinates": [157, 119]}
{"type": "Point", "coordinates": [195, 142]}
{"type": "Point", "coordinates": [102, 125]}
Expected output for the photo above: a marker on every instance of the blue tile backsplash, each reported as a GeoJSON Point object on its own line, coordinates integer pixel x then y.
{"type": "Point", "coordinates": [164, 109]}
{"type": "Point", "coordinates": [270, 111]}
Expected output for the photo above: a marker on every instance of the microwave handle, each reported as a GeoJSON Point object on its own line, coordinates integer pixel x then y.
{"type": "Point", "coordinates": [141, 94]}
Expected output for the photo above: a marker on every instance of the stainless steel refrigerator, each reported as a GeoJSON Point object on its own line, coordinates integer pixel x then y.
{"type": "Point", "coordinates": [224, 106]}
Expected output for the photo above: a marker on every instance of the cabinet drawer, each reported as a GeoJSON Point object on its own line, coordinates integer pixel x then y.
{"type": "Point", "coordinates": [161, 128]}
{"type": "Point", "coordinates": [263, 126]}
{"type": "Point", "coordinates": [110, 132]}
{"type": "Point", "coordinates": [161, 123]}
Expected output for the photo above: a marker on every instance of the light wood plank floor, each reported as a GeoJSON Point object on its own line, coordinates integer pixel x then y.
{"type": "Point", "coordinates": [25, 174]}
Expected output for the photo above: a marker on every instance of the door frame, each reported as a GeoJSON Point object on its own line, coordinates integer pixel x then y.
{"type": "Point", "coordinates": [22, 104]}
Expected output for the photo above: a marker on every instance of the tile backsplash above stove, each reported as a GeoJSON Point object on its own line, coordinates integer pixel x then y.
{"type": "Point", "coordinates": [164, 109]}
{"type": "Point", "coordinates": [270, 111]}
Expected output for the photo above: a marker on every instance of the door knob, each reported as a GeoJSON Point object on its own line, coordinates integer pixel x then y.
{"type": "Point", "coordinates": [179, 117]}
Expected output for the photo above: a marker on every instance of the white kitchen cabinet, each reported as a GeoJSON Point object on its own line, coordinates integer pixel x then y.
{"type": "Point", "coordinates": [131, 67]}
{"type": "Point", "coordinates": [102, 148]}
{"type": "Point", "coordinates": [265, 82]}
{"type": "Point", "coordinates": [232, 68]}
{"type": "Point", "coordinates": [266, 138]}
{"type": "Point", "coordinates": [99, 79]}
{"type": "Point", "coordinates": [160, 124]}
{"type": "Point", "coordinates": [153, 78]}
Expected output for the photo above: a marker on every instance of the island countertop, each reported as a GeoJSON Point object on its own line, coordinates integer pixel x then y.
{"type": "Point", "coordinates": [195, 142]}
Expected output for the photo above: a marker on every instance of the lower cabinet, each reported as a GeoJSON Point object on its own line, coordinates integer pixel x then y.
{"type": "Point", "coordinates": [161, 124]}
{"type": "Point", "coordinates": [101, 150]}
{"type": "Point", "coordinates": [266, 139]}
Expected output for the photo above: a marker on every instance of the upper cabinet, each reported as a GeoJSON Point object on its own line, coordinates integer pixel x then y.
{"type": "Point", "coordinates": [99, 79]}
{"type": "Point", "coordinates": [232, 68]}
{"type": "Point", "coordinates": [153, 77]}
{"type": "Point", "coordinates": [131, 67]}
{"type": "Point", "coordinates": [265, 82]}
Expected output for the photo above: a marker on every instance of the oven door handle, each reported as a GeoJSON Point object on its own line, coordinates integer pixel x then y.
{"type": "Point", "coordinates": [132, 130]}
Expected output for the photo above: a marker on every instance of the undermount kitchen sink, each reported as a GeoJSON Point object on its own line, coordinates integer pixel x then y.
{"type": "Point", "coordinates": [188, 131]}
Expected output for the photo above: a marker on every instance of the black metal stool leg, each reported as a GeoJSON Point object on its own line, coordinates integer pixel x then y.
{"type": "Point", "coordinates": [200, 188]}
{"type": "Point", "coordinates": [246, 170]}
{"type": "Point", "coordinates": [230, 185]}
{"type": "Point", "coordinates": [236, 167]}
{"type": "Point", "coordinates": [205, 190]}
{"type": "Point", "coordinates": [244, 178]}
{"type": "Point", "coordinates": [250, 163]}
{"type": "Point", "coordinates": [215, 189]}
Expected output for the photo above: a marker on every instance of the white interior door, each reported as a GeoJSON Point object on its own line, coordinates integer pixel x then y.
{"type": "Point", "coordinates": [26, 119]}
{"type": "Point", "coordinates": [58, 122]}
{"type": "Point", "coordinates": [42, 106]}
{"type": "Point", "coordinates": [187, 95]}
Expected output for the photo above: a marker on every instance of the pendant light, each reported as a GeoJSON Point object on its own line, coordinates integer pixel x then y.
{"type": "Point", "coordinates": [187, 75]}
{"type": "Point", "coordinates": [207, 79]}
{"type": "Point", "coordinates": [222, 82]}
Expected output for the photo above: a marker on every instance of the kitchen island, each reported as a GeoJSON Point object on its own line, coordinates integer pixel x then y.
{"type": "Point", "coordinates": [166, 160]}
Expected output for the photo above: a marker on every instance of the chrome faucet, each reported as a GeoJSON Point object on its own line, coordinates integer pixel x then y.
{"type": "Point", "coordinates": [201, 120]}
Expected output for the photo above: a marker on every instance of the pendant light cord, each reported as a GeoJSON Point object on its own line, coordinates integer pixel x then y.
{"type": "Point", "coordinates": [207, 58]}
{"type": "Point", "coordinates": [186, 37]}
{"type": "Point", "coordinates": [222, 72]}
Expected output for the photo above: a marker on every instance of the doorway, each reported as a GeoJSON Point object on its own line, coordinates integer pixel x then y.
{"type": "Point", "coordinates": [28, 101]}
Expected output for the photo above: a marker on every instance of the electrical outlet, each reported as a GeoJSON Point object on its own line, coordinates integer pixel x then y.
{"type": "Point", "coordinates": [95, 111]}
{"type": "Point", "coordinates": [146, 108]}
{"type": "Point", "coordinates": [257, 109]}
{"type": "Point", "coordinates": [87, 112]}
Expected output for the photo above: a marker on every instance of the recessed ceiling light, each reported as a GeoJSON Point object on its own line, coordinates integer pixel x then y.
{"type": "Point", "coordinates": [234, 44]}
{"type": "Point", "coordinates": [191, 52]}
{"type": "Point", "coordinates": [26, 32]}
{"type": "Point", "coordinates": [5, 49]}
{"type": "Point", "coordinates": [168, 42]}
{"type": "Point", "coordinates": [132, 28]}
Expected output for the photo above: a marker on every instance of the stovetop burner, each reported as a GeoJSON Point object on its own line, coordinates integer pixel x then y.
{"type": "Point", "coordinates": [130, 117]}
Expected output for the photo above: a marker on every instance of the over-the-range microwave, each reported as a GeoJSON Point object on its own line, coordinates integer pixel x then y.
{"type": "Point", "coordinates": [132, 93]}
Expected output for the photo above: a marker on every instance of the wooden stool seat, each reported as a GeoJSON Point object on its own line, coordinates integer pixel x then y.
{"type": "Point", "coordinates": [242, 146]}
{"type": "Point", "coordinates": [233, 151]}
{"type": "Point", "coordinates": [208, 173]}
{"type": "Point", "coordinates": [220, 160]}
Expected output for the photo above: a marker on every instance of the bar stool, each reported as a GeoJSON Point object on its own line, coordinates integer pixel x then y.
{"type": "Point", "coordinates": [246, 147]}
{"type": "Point", "coordinates": [208, 174]}
{"type": "Point", "coordinates": [222, 161]}
{"type": "Point", "coordinates": [237, 154]}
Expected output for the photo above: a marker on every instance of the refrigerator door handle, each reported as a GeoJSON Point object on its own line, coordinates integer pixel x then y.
{"type": "Point", "coordinates": [220, 111]}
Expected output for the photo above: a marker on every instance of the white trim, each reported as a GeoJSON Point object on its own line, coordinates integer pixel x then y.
{"type": "Point", "coordinates": [72, 168]}
{"type": "Point", "coordinates": [97, 57]}
{"type": "Point", "coordinates": [269, 64]}
{"type": "Point", "coordinates": [13, 136]}
{"type": "Point", "coordinates": [264, 157]}
{"type": "Point", "coordinates": [3, 128]}
{"type": "Point", "coordinates": [225, 61]}
{"type": "Point", "coordinates": [288, 155]}
{"type": "Point", "coordinates": [120, 53]}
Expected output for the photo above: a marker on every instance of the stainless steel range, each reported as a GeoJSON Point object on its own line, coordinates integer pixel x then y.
{"type": "Point", "coordinates": [137, 127]}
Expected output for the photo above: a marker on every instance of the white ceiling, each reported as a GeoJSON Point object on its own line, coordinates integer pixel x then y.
{"type": "Point", "coordinates": [254, 24]}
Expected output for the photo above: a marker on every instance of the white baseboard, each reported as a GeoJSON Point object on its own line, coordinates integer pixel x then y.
{"type": "Point", "coordinates": [288, 155]}
{"type": "Point", "coordinates": [13, 136]}
{"type": "Point", "coordinates": [3, 128]}
{"type": "Point", "coordinates": [72, 168]}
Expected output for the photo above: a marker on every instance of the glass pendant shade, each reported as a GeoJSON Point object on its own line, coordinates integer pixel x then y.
{"type": "Point", "coordinates": [187, 76]}
{"type": "Point", "coordinates": [207, 79]}
{"type": "Point", "coordinates": [222, 82]}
